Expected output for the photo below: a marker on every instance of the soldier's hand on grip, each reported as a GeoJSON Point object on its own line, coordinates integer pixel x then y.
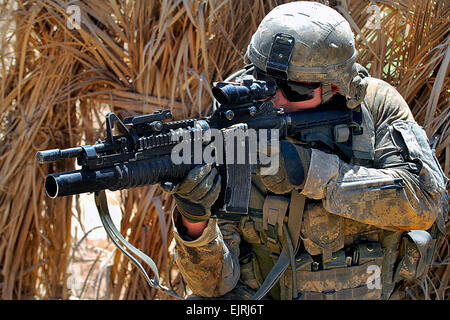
{"type": "Point", "coordinates": [195, 195]}
{"type": "Point", "coordinates": [292, 170]}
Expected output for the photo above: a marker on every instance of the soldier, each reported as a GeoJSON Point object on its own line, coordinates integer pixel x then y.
{"type": "Point", "coordinates": [354, 226]}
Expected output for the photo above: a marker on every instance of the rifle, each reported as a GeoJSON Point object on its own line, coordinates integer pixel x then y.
{"type": "Point", "coordinates": [141, 153]}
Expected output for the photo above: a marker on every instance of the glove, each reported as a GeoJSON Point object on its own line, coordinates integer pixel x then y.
{"type": "Point", "coordinates": [294, 162]}
{"type": "Point", "coordinates": [198, 191]}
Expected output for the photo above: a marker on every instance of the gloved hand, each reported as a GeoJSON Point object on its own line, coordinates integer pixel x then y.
{"type": "Point", "coordinates": [294, 162]}
{"type": "Point", "coordinates": [197, 192]}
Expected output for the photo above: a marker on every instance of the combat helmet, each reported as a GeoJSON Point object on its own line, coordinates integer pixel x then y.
{"type": "Point", "coordinates": [308, 42]}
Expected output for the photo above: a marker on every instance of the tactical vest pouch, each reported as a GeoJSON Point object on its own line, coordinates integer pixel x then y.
{"type": "Point", "coordinates": [250, 271]}
{"type": "Point", "coordinates": [359, 293]}
{"type": "Point", "coordinates": [416, 255]}
{"type": "Point", "coordinates": [274, 210]}
{"type": "Point", "coordinates": [322, 232]}
{"type": "Point", "coordinates": [366, 252]}
{"type": "Point", "coordinates": [250, 232]}
{"type": "Point", "coordinates": [356, 282]}
{"type": "Point", "coordinates": [338, 260]}
{"type": "Point", "coordinates": [411, 139]}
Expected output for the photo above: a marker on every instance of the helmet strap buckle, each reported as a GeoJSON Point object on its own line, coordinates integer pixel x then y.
{"type": "Point", "coordinates": [280, 55]}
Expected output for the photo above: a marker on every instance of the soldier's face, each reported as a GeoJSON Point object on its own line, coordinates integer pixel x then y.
{"type": "Point", "coordinates": [280, 101]}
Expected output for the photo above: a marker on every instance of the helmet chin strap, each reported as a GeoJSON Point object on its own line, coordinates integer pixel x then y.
{"type": "Point", "coordinates": [327, 93]}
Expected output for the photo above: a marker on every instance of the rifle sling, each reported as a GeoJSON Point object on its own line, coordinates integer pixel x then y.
{"type": "Point", "coordinates": [274, 274]}
{"type": "Point", "coordinates": [122, 244]}
{"type": "Point", "coordinates": [287, 255]}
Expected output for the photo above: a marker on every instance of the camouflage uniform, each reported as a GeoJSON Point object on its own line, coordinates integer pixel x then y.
{"type": "Point", "coordinates": [345, 207]}
{"type": "Point", "coordinates": [358, 212]}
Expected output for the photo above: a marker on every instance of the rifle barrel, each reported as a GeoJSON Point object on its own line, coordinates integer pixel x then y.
{"type": "Point", "coordinates": [52, 155]}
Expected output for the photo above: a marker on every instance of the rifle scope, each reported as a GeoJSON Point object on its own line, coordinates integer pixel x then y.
{"type": "Point", "coordinates": [237, 94]}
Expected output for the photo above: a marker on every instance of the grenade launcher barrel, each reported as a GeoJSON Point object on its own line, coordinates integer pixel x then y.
{"type": "Point", "coordinates": [118, 177]}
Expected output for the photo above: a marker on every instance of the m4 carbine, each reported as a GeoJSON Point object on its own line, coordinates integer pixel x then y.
{"type": "Point", "coordinates": [141, 154]}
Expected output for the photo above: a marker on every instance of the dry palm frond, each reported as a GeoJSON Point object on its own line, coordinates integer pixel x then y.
{"type": "Point", "coordinates": [138, 56]}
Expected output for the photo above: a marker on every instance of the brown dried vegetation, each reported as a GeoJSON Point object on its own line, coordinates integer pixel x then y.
{"type": "Point", "coordinates": [134, 57]}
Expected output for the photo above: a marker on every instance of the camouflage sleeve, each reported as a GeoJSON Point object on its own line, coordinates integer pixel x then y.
{"type": "Point", "coordinates": [209, 264]}
{"type": "Point", "coordinates": [403, 190]}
